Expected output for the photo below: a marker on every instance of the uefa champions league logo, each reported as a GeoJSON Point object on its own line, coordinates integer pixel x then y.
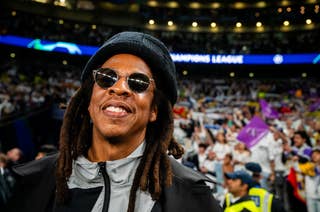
{"type": "Point", "coordinates": [278, 59]}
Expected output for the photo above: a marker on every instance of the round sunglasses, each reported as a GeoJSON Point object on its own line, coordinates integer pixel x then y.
{"type": "Point", "coordinates": [106, 78]}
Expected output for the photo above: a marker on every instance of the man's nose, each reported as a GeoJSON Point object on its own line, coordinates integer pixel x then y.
{"type": "Point", "coordinates": [120, 88]}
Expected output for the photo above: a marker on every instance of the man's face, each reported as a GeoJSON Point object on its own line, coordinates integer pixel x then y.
{"type": "Point", "coordinates": [315, 156]}
{"type": "Point", "coordinates": [13, 154]}
{"type": "Point", "coordinates": [118, 113]}
{"type": "Point", "coordinates": [298, 140]}
{"type": "Point", "coordinates": [235, 187]}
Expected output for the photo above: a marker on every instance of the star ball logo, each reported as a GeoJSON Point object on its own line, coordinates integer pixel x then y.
{"type": "Point", "coordinates": [278, 59]}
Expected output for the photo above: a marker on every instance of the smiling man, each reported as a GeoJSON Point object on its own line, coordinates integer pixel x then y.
{"type": "Point", "coordinates": [116, 140]}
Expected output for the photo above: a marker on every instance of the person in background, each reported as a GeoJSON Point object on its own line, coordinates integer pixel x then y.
{"type": "Point", "coordinates": [227, 166]}
{"type": "Point", "coordinates": [313, 182]}
{"type": "Point", "coordinates": [262, 153]}
{"type": "Point", "coordinates": [264, 200]}
{"type": "Point", "coordinates": [237, 199]}
{"type": "Point", "coordinates": [6, 181]}
{"type": "Point", "coordinates": [241, 155]}
{"type": "Point", "coordinates": [45, 150]}
{"type": "Point", "coordinates": [196, 161]}
{"type": "Point", "coordinates": [298, 156]}
{"type": "Point", "coordinates": [300, 151]}
{"type": "Point", "coordinates": [280, 140]}
{"type": "Point", "coordinates": [116, 143]}
{"type": "Point", "coordinates": [15, 157]}
{"type": "Point", "coordinates": [221, 147]}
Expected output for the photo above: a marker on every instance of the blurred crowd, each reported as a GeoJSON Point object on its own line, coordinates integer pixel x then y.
{"type": "Point", "coordinates": [215, 118]}
{"type": "Point", "coordinates": [27, 88]}
{"type": "Point", "coordinates": [210, 115]}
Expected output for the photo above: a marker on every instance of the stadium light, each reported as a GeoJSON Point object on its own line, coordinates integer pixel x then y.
{"type": "Point", "coordinates": [213, 24]}
{"type": "Point", "coordinates": [194, 24]}
{"type": "Point", "coordinates": [238, 24]}
{"type": "Point", "coordinates": [153, 3]}
{"type": "Point", "coordinates": [308, 21]}
{"type": "Point", "coordinates": [185, 72]}
{"type": "Point", "coordinates": [215, 5]}
{"type": "Point", "coordinates": [286, 23]}
{"type": "Point", "coordinates": [195, 5]}
{"type": "Point", "coordinates": [258, 24]}
{"type": "Point", "coordinates": [151, 22]}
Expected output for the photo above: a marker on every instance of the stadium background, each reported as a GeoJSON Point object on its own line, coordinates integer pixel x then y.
{"type": "Point", "coordinates": [197, 27]}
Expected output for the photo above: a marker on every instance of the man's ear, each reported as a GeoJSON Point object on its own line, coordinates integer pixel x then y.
{"type": "Point", "coordinates": [153, 114]}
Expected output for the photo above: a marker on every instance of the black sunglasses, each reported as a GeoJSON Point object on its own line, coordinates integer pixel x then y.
{"type": "Point", "coordinates": [106, 77]}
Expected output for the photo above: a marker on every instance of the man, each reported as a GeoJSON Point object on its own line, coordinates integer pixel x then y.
{"type": "Point", "coordinates": [115, 140]}
{"type": "Point", "coordinates": [262, 153]}
{"type": "Point", "coordinates": [46, 149]}
{"type": "Point", "coordinates": [297, 155]}
{"type": "Point", "coordinates": [6, 181]}
{"type": "Point", "coordinates": [265, 201]}
{"type": "Point", "coordinates": [312, 181]}
{"type": "Point", "coordinates": [301, 150]}
{"type": "Point", "coordinates": [15, 157]}
{"type": "Point", "coordinates": [237, 198]}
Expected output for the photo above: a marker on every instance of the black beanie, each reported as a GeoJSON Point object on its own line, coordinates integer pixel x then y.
{"type": "Point", "coordinates": [148, 48]}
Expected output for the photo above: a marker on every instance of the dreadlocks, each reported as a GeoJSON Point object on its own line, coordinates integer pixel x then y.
{"type": "Point", "coordinates": [154, 169]}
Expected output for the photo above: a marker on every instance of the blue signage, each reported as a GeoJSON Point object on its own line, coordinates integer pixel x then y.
{"type": "Point", "coordinates": [76, 49]}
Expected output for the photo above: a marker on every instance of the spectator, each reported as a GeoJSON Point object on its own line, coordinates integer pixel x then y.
{"type": "Point", "coordinates": [262, 153]}
{"type": "Point", "coordinates": [15, 157]}
{"type": "Point", "coordinates": [313, 182]}
{"type": "Point", "coordinates": [237, 198]}
{"type": "Point", "coordinates": [280, 140]}
{"type": "Point", "coordinates": [45, 150]}
{"type": "Point", "coordinates": [196, 161]}
{"type": "Point", "coordinates": [241, 155]}
{"type": "Point", "coordinates": [6, 181]}
{"type": "Point", "coordinates": [264, 200]}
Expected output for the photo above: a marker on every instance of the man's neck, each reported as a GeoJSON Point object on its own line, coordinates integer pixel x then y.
{"type": "Point", "coordinates": [107, 151]}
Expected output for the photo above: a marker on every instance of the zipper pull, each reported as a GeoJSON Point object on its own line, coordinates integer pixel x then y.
{"type": "Point", "coordinates": [106, 180]}
{"type": "Point", "coordinates": [102, 167]}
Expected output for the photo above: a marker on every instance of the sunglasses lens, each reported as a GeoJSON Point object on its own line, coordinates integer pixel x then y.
{"type": "Point", "coordinates": [138, 82]}
{"type": "Point", "coordinates": [105, 78]}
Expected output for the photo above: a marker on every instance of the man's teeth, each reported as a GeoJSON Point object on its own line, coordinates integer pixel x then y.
{"type": "Point", "coordinates": [115, 109]}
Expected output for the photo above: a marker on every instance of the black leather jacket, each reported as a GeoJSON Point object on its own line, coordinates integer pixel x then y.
{"type": "Point", "coordinates": [36, 189]}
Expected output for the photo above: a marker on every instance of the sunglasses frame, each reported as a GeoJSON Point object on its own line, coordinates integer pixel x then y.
{"type": "Point", "coordinates": [98, 71]}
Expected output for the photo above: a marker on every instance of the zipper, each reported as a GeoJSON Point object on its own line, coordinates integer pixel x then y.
{"type": "Point", "coordinates": [106, 181]}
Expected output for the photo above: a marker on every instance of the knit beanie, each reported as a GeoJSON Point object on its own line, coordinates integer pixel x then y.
{"type": "Point", "coordinates": [148, 48]}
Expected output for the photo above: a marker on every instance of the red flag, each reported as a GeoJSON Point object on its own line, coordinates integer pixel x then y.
{"type": "Point", "coordinates": [297, 185]}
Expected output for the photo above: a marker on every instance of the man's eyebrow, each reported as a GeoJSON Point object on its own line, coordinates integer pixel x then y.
{"type": "Point", "coordinates": [109, 69]}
